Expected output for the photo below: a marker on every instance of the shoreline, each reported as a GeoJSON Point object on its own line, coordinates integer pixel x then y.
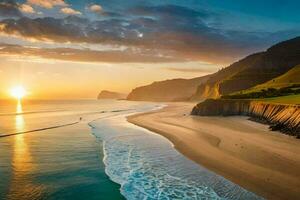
{"type": "Point", "coordinates": [242, 151]}
{"type": "Point", "coordinates": [140, 151]}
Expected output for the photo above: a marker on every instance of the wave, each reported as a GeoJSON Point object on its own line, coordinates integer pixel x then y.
{"type": "Point", "coordinates": [148, 167]}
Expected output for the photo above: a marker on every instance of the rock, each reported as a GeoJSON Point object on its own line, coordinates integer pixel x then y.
{"type": "Point", "coordinates": [105, 94]}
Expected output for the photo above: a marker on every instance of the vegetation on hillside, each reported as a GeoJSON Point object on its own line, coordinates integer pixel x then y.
{"type": "Point", "coordinates": [284, 85]}
{"type": "Point", "coordinates": [253, 70]}
{"type": "Point", "coordinates": [266, 93]}
{"type": "Point", "coordinates": [292, 77]}
{"type": "Point", "coordinates": [290, 99]}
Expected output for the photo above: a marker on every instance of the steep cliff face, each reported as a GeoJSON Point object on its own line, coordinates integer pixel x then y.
{"type": "Point", "coordinates": [252, 70]}
{"type": "Point", "coordinates": [207, 90]}
{"type": "Point", "coordinates": [169, 90]}
{"type": "Point", "coordinates": [285, 118]}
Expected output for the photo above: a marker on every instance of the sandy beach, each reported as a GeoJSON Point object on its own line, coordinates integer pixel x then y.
{"type": "Point", "coordinates": [242, 151]}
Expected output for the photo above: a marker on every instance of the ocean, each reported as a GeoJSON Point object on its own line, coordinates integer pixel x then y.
{"type": "Point", "coordinates": [85, 149]}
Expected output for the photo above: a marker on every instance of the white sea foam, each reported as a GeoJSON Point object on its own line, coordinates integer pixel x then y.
{"type": "Point", "coordinates": [148, 167]}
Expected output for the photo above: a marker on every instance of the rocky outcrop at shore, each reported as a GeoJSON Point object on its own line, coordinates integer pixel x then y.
{"type": "Point", "coordinates": [285, 118]}
{"type": "Point", "coordinates": [105, 94]}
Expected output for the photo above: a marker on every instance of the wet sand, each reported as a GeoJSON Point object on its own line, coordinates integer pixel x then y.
{"type": "Point", "coordinates": [243, 151]}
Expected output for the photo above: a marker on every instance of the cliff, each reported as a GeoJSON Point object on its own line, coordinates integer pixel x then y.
{"type": "Point", "coordinates": [285, 118]}
{"type": "Point", "coordinates": [168, 90]}
{"type": "Point", "coordinates": [252, 70]}
{"type": "Point", "coordinates": [105, 94]}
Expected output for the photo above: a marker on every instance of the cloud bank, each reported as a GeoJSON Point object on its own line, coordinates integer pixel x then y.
{"type": "Point", "coordinates": [9, 8]}
{"type": "Point", "coordinates": [48, 4]}
{"type": "Point", "coordinates": [161, 33]}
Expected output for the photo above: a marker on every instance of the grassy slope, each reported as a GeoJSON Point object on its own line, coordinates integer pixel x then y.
{"type": "Point", "coordinates": [289, 78]}
{"type": "Point", "coordinates": [276, 61]}
{"type": "Point", "coordinates": [291, 99]}
{"type": "Point", "coordinates": [252, 70]}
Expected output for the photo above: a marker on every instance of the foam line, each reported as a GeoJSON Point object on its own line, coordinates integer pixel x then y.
{"type": "Point", "coordinates": [40, 129]}
{"type": "Point", "coordinates": [59, 126]}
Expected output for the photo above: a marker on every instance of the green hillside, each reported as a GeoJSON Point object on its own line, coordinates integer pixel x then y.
{"type": "Point", "coordinates": [253, 70]}
{"type": "Point", "coordinates": [288, 79]}
{"type": "Point", "coordinates": [292, 77]}
{"type": "Point", "coordinates": [290, 99]}
{"type": "Point", "coordinates": [287, 84]}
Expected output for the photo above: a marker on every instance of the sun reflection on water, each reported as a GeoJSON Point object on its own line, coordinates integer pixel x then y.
{"type": "Point", "coordinates": [20, 187]}
{"type": "Point", "coordinates": [19, 121]}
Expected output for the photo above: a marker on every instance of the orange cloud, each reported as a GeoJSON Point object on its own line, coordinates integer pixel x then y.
{"type": "Point", "coordinates": [96, 8]}
{"type": "Point", "coordinates": [47, 3]}
{"type": "Point", "coordinates": [25, 8]}
{"type": "Point", "coordinates": [70, 11]}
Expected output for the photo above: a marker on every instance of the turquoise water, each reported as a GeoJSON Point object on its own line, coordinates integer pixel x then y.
{"type": "Point", "coordinates": [61, 163]}
{"type": "Point", "coordinates": [87, 150]}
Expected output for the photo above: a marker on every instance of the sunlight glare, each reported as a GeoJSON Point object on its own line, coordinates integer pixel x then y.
{"type": "Point", "coordinates": [18, 92]}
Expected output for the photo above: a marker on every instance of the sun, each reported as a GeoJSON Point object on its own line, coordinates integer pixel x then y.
{"type": "Point", "coordinates": [18, 92]}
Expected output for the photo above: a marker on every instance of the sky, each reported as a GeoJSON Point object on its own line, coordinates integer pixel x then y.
{"type": "Point", "coordinates": [60, 49]}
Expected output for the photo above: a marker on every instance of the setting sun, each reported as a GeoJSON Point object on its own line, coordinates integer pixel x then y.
{"type": "Point", "coordinates": [18, 92]}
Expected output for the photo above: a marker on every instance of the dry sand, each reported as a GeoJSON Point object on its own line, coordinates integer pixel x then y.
{"type": "Point", "coordinates": [245, 152]}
